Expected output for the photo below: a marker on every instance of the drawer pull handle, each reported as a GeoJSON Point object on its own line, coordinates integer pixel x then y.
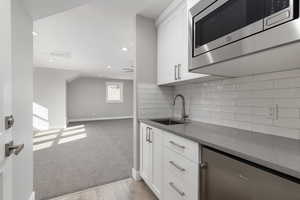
{"type": "Point", "coordinates": [177, 166]}
{"type": "Point", "coordinates": [178, 145]}
{"type": "Point", "coordinates": [176, 189]}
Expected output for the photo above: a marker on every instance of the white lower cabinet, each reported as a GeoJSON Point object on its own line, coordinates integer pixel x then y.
{"type": "Point", "coordinates": [169, 164]}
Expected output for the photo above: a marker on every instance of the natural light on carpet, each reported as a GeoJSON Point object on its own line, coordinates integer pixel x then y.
{"type": "Point", "coordinates": [50, 138]}
{"type": "Point", "coordinates": [67, 133]}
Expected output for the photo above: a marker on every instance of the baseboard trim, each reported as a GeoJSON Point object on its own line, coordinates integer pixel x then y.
{"type": "Point", "coordinates": [99, 119]}
{"type": "Point", "coordinates": [32, 196]}
{"type": "Point", "coordinates": [136, 175]}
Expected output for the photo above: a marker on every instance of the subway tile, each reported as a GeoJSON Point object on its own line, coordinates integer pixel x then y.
{"type": "Point", "coordinates": [231, 109]}
{"type": "Point", "coordinates": [277, 93]}
{"type": "Point", "coordinates": [242, 118]}
{"type": "Point", "coordinates": [278, 131]}
{"type": "Point", "coordinates": [264, 111]}
{"type": "Point", "coordinates": [288, 102]}
{"type": "Point", "coordinates": [258, 85]}
{"type": "Point", "coordinates": [238, 80]}
{"type": "Point", "coordinates": [258, 102]}
{"type": "Point", "coordinates": [259, 119]}
{"type": "Point", "coordinates": [289, 113]}
{"type": "Point", "coordinates": [278, 75]}
{"type": "Point", "coordinates": [288, 83]}
{"type": "Point", "coordinates": [229, 87]}
{"type": "Point", "coordinates": [287, 123]}
{"type": "Point", "coordinates": [244, 125]}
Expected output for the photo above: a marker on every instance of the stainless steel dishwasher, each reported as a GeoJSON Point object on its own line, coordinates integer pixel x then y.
{"type": "Point", "coordinates": [226, 177]}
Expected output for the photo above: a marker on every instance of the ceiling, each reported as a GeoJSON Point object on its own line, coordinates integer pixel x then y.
{"type": "Point", "coordinates": [88, 35]}
{"type": "Point", "coordinates": [44, 8]}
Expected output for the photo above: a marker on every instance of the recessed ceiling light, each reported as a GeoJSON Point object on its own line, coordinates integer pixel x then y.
{"type": "Point", "coordinates": [34, 33]}
{"type": "Point", "coordinates": [108, 66]}
{"type": "Point", "coordinates": [124, 49]}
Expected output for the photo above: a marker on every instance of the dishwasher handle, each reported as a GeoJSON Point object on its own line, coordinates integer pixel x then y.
{"type": "Point", "coordinates": [203, 179]}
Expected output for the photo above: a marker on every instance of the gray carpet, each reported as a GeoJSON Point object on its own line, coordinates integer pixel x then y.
{"type": "Point", "coordinates": [83, 156]}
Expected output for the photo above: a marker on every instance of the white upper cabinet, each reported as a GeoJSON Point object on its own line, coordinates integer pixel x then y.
{"type": "Point", "coordinates": [172, 45]}
{"type": "Point", "coordinates": [165, 50]}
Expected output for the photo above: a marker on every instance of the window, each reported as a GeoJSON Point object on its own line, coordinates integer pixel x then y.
{"type": "Point", "coordinates": [114, 92]}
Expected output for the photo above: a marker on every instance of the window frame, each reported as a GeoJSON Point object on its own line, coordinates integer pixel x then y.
{"type": "Point", "coordinates": [121, 85]}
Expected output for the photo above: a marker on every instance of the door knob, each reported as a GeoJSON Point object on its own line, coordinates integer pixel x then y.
{"type": "Point", "coordinates": [10, 148]}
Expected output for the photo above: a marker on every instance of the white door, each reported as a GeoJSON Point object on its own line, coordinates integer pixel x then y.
{"type": "Point", "coordinates": [146, 154]}
{"type": "Point", "coordinates": [5, 98]}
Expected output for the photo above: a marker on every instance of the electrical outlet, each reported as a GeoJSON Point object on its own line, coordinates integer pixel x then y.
{"type": "Point", "coordinates": [276, 112]}
{"type": "Point", "coordinates": [271, 113]}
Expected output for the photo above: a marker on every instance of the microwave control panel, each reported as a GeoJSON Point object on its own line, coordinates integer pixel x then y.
{"type": "Point", "coordinates": [273, 6]}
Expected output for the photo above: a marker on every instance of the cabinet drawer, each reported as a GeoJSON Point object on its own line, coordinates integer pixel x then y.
{"type": "Point", "coordinates": [174, 190]}
{"type": "Point", "coordinates": [181, 168]}
{"type": "Point", "coordinates": [182, 146]}
{"type": "Point", "coordinates": [180, 177]}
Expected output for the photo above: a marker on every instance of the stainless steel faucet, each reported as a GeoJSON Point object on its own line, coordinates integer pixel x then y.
{"type": "Point", "coordinates": [184, 116]}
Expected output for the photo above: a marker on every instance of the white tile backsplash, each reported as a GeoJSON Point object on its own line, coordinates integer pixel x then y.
{"type": "Point", "coordinates": [154, 101]}
{"type": "Point", "coordinates": [247, 103]}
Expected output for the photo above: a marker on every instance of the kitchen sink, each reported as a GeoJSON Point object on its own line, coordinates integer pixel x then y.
{"type": "Point", "coordinates": [168, 121]}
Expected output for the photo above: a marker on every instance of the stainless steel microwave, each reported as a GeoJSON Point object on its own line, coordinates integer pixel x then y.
{"type": "Point", "coordinates": [220, 30]}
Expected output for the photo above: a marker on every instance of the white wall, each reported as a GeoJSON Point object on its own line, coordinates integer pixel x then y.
{"type": "Point", "coordinates": [150, 100]}
{"type": "Point", "coordinates": [153, 101]}
{"type": "Point", "coordinates": [22, 52]}
{"type": "Point", "coordinates": [86, 99]}
{"type": "Point", "coordinates": [50, 95]}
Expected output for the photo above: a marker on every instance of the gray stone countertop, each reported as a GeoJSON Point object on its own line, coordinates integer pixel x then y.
{"type": "Point", "coordinates": [278, 153]}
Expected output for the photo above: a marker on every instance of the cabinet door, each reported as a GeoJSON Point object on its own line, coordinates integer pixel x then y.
{"type": "Point", "coordinates": [172, 48]}
{"type": "Point", "coordinates": [157, 164]}
{"type": "Point", "coordinates": [145, 154]}
{"type": "Point", "coordinates": [165, 53]}
{"type": "Point", "coordinates": [183, 49]}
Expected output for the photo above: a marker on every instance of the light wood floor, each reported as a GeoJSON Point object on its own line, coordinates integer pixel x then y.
{"type": "Point", "coordinates": [122, 190]}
